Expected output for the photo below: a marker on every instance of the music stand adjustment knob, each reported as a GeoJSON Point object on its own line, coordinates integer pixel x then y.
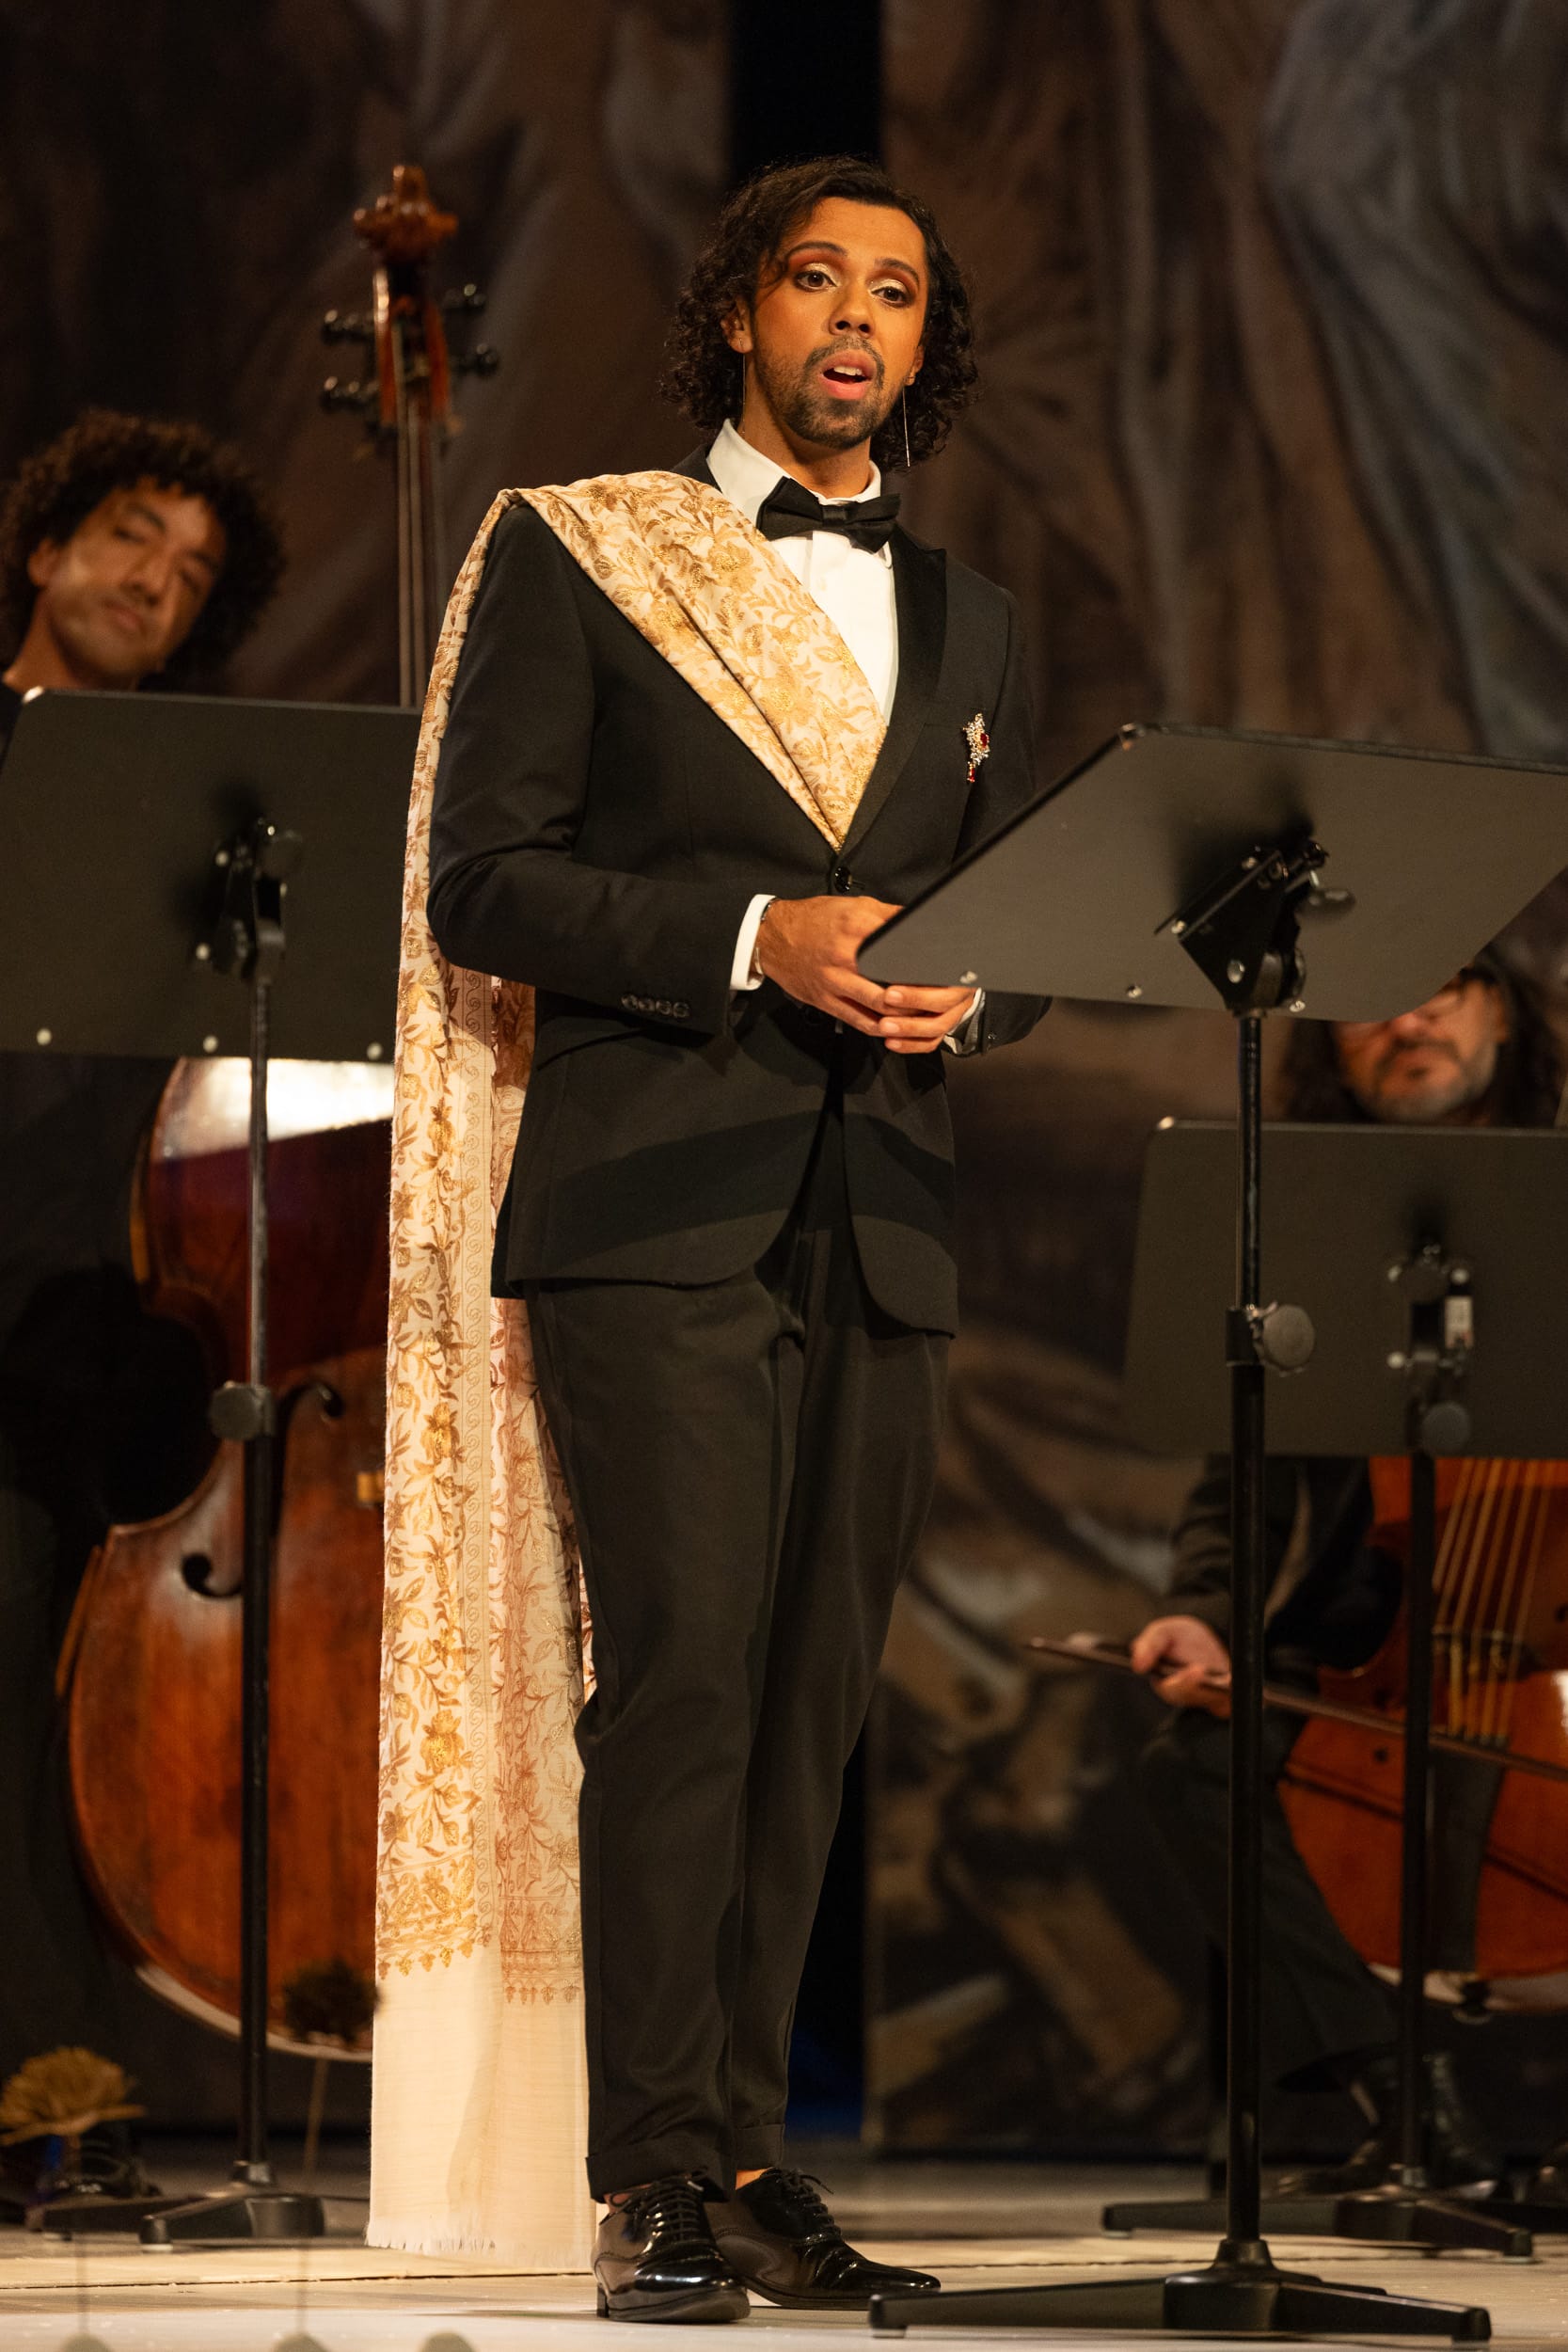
{"type": "Point", "coordinates": [1284, 1338]}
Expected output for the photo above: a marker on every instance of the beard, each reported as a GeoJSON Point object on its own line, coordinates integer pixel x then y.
{"type": "Point", "coordinates": [799, 404]}
{"type": "Point", "coordinates": [1451, 1085]}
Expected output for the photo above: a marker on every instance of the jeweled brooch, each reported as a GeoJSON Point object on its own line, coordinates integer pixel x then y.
{"type": "Point", "coordinates": [978, 741]}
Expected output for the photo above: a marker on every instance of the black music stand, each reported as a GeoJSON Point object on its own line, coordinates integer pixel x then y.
{"type": "Point", "coordinates": [1175, 866]}
{"type": "Point", "coordinates": [1392, 1238]}
{"type": "Point", "coordinates": [150, 848]}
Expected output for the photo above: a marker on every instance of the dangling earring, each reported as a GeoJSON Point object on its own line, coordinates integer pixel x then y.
{"type": "Point", "coordinates": [740, 408]}
{"type": "Point", "coordinates": [904, 404]}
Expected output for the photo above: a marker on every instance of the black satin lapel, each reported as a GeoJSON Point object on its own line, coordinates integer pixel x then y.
{"type": "Point", "coordinates": [695, 467]}
{"type": "Point", "coordinates": [920, 591]}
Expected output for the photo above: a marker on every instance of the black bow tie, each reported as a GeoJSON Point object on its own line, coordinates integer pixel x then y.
{"type": "Point", "coordinates": [790, 507]}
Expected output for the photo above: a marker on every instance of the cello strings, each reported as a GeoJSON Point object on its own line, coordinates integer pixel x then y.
{"type": "Point", "coordinates": [1489, 1633]}
{"type": "Point", "coordinates": [1454, 1546]}
{"type": "Point", "coordinates": [1522, 1595]}
{"type": "Point", "coordinates": [1492, 1631]}
{"type": "Point", "coordinates": [1442, 1593]}
{"type": "Point", "coordinates": [1513, 1602]}
{"type": "Point", "coordinates": [1473, 1603]}
{"type": "Point", "coordinates": [1548, 1481]}
{"type": "Point", "coordinates": [1516, 1497]}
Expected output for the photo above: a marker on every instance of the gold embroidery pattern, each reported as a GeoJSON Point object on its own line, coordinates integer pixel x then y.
{"type": "Point", "coordinates": [485, 1661]}
{"type": "Point", "coordinates": [481, 1667]}
{"type": "Point", "coordinates": [714, 597]}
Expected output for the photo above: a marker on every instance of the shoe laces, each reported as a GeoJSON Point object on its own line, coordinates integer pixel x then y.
{"type": "Point", "coordinates": [807, 2212]}
{"type": "Point", "coordinates": [673, 2206]}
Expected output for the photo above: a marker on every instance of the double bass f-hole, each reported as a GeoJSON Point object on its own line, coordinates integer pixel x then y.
{"type": "Point", "coordinates": [198, 1567]}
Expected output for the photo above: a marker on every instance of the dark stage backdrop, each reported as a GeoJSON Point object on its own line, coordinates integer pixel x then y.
{"type": "Point", "coordinates": [1275, 433]}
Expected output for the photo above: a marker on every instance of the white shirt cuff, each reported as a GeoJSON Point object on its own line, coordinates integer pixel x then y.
{"type": "Point", "coordinates": [746, 940]}
{"type": "Point", "coordinates": [964, 1037]}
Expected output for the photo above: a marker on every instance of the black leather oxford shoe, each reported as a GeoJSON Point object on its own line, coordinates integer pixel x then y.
{"type": "Point", "coordinates": [656, 2258]}
{"type": "Point", "coordinates": [778, 2235]}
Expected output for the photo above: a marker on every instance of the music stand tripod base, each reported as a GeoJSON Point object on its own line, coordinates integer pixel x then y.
{"type": "Point", "coordinates": [1383, 2215]}
{"type": "Point", "coordinates": [1226, 2297]}
{"type": "Point", "coordinates": [1541, 2221]}
{"type": "Point", "coordinates": [247, 2216]}
{"type": "Point", "coordinates": [97, 2216]}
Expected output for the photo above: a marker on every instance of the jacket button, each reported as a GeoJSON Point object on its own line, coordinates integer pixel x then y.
{"type": "Point", "coordinates": [842, 880]}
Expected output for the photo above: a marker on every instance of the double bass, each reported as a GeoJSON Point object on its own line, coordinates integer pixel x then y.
{"type": "Point", "coordinates": [149, 1673]}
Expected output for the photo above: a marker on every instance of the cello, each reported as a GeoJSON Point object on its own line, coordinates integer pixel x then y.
{"type": "Point", "coordinates": [1499, 1738]}
{"type": "Point", "coordinates": [151, 1669]}
{"type": "Point", "coordinates": [1500, 1688]}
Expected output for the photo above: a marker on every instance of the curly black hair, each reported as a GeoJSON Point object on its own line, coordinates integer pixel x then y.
{"type": "Point", "coordinates": [1524, 1090]}
{"type": "Point", "coordinates": [58, 487]}
{"type": "Point", "coordinates": [701, 375]}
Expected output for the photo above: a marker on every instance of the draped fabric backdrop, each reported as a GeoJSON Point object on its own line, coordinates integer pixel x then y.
{"type": "Point", "coordinates": [1275, 347]}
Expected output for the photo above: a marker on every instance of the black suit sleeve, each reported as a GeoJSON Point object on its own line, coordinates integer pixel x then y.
{"type": "Point", "coordinates": [1004, 783]}
{"type": "Point", "coordinates": [1200, 1583]}
{"type": "Point", "coordinates": [507, 893]}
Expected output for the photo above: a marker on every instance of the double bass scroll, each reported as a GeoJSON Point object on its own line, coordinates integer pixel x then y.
{"type": "Point", "coordinates": [407, 403]}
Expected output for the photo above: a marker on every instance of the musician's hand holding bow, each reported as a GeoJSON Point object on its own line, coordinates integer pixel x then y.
{"type": "Point", "coordinates": [1183, 1657]}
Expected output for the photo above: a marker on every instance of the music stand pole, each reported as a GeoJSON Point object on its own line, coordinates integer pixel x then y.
{"type": "Point", "coordinates": [1241, 932]}
{"type": "Point", "coordinates": [1242, 2242]}
{"type": "Point", "coordinates": [1415, 1843]}
{"type": "Point", "coordinates": [249, 943]}
{"type": "Point", "coordinates": [1402, 2209]}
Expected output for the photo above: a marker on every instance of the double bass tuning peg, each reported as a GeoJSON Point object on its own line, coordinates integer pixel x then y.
{"type": "Point", "coordinates": [483, 360]}
{"type": "Point", "coordinates": [462, 298]}
{"type": "Point", "coordinates": [347, 326]}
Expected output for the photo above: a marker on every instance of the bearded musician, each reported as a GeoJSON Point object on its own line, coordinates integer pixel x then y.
{"type": "Point", "coordinates": [133, 554]}
{"type": "Point", "coordinates": [1479, 1053]}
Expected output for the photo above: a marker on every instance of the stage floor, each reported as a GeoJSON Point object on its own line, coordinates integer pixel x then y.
{"type": "Point", "coordinates": [975, 2225]}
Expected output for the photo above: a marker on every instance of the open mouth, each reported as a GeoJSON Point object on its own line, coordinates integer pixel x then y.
{"type": "Point", "coordinates": [849, 376]}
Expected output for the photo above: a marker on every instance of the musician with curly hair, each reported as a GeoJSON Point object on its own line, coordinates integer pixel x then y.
{"type": "Point", "coordinates": [709, 729]}
{"type": "Point", "coordinates": [130, 549]}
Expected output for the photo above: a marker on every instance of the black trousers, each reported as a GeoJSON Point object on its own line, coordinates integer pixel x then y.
{"type": "Point", "coordinates": [750, 1463]}
{"type": "Point", "coordinates": [1322, 2004]}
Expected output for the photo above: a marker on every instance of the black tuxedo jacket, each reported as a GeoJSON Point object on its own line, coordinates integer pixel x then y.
{"type": "Point", "coordinates": [599, 833]}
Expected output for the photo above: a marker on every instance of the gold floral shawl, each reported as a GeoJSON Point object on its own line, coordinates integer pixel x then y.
{"type": "Point", "coordinates": [479, 2100]}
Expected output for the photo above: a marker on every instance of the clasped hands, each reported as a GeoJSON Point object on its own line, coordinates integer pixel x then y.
{"type": "Point", "coordinates": [807, 946]}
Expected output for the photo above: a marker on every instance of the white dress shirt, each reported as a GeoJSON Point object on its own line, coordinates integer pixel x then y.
{"type": "Point", "coordinates": [855, 588]}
